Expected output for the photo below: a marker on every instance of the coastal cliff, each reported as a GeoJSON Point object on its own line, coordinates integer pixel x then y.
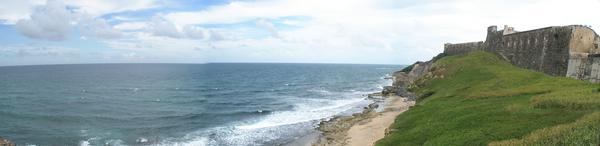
{"type": "Point", "coordinates": [410, 77]}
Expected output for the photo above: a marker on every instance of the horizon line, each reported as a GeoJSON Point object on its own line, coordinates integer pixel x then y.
{"type": "Point", "coordinates": [183, 63]}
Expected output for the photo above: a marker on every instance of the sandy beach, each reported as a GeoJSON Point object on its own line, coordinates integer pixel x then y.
{"type": "Point", "coordinates": [368, 131]}
{"type": "Point", "coordinates": [365, 128]}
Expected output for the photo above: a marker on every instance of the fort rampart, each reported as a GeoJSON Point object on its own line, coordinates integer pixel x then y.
{"type": "Point", "coordinates": [572, 51]}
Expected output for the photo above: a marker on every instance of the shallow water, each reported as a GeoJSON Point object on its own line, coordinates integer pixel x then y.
{"type": "Point", "coordinates": [178, 104]}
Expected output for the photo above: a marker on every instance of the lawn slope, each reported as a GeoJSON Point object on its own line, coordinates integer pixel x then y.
{"type": "Point", "coordinates": [480, 99]}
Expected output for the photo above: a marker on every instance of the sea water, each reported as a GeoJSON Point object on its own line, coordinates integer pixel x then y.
{"type": "Point", "coordinates": [179, 104]}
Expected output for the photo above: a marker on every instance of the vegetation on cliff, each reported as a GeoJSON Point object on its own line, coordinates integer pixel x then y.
{"type": "Point", "coordinates": [480, 99]}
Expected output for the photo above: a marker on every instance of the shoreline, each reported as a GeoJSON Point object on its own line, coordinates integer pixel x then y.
{"type": "Point", "coordinates": [368, 131]}
{"type": "Point", "coordinates": [362, 129]}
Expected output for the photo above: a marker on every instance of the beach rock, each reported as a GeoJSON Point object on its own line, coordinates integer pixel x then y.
{"type": "Point", "coordinates": [388, 90]}
{"type": "Point", "coordinates": [389, 131]}
{"type": "Point", "coordinates": [373, 106]}
{"type": "Point", "coordinates": [5, 142]}
{"type": "Point", "coordinates": [376, 95]}
{"type": "Point", "coordinates": [335, 130]}
{"type": "Point", "coordinates": [403, 92]}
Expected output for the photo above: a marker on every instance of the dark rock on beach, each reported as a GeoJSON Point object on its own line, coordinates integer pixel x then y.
{"type": "Point", "coordinates": [5, 142]}
{"type": "Point", "coordinates": [335, 130]}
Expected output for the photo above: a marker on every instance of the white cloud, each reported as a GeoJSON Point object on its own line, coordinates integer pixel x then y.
{"type": "Point", "coordinates": [193, 32]}
{"type": "Point", "coordinates": [393, 31]}
{"type": "Point", "coordinates": [54, 21]}
{"type": "Point", "coordinates": [102, 7]}
{"type": "Point", "coordinates": [350, 31]}
{"type": "Point", "coordinates": [216, 35]}
{"type": "Point", "coordinates": [131, 26]}
{"type": "Point", "coordinates": [165, 28]}
{"type": "Point", "coordinates": [231, 13]}
{"type": "Point", "coordinates": [13, 10]}
{"type": "Point", "coordinates": [161, 27]}
{"type": "Point", "coordinates": [124, 18]}
{"type": "Point", "coordinates": [97, 28]}
{"type": "Point", "coordinates": [263, 23]}
{"type": "Point", "coordinates": [51, 22]}
{"type": "Point", "coordinates": [292, 22]}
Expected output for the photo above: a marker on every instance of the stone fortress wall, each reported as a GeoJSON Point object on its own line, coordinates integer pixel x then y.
{"type": "Point", "coordinates": [572, 51]}
{"type": "Point", "coordinates": [462, 48]}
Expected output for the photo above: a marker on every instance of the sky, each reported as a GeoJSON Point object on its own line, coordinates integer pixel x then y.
{"type": "Point", "coordinates": [284, 31]}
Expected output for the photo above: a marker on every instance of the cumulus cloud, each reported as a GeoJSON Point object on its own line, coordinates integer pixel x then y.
{"type": "Point", "coordinates": [54, 21]}
{"type": "Point", "coordinates": [50, 22]}
{"type": "Point", "coordinates": [162, 27]}
{"type": "Point", "coordinates": [12, 11]}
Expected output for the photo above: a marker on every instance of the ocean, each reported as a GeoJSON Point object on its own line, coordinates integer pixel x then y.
{"type": "Point", "coordinates": [179, 104]}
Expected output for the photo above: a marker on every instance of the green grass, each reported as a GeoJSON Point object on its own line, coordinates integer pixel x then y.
{"type": "Point", "coordinates": [480, 99]}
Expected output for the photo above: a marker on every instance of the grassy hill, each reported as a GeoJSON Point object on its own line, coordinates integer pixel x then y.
{"type": "Point", "coordinates": [480, 99]}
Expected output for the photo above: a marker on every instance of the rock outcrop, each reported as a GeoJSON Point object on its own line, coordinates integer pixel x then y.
{"type": "Point", "coordinates": [5, 142]}
{"type": "Point", "coordinates": [403, 79]}
{"type": "Point", "coordinates": [335, 130]}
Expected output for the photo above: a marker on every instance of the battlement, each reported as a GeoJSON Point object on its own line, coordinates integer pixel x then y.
{"type": "Point", "coordinates": [558, 50]}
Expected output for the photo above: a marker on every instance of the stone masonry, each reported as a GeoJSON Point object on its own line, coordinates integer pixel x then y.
{"type": "Point", "coordinates": [572, 51]}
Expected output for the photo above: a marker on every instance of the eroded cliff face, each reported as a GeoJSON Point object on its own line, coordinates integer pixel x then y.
{"type": "Point", "coordinates": [403, 80]}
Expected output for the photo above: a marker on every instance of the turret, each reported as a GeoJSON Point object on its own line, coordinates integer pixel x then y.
{"type": "Point", "coordinates": [492, 39]}
{"type": "Point", "coordinates": [492, 28]}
